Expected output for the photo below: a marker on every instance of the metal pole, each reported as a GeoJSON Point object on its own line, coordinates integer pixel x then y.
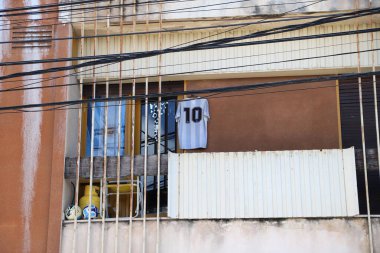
{"type": "Point", "coordinates": [146, 129]}
{"type": "Point", "coordinates": [105, 146]}
{"type": "Point", "coordinates": [159, 136]}
{"type": "Point", "coordinates": [363, 143]}
{"type": "Point", "coordinates": [375, 91]}
{"type": "Point", "coordinates": [92, 134]}
{"type": "Point", "coordinates": [79, 136]}
{"type": "Point", "coordinates": [119, 132]}
{"type": "Point", "coordinates": [133, 104]}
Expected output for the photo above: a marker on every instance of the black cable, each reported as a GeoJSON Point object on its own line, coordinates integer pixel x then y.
{"type": "Point", "coordinates": [115, 16]}
{"type": "Point", "coordinates": [211, 96]}
{"type": "Point", "coordinates": [239, 27]}
{"type": "Point", "coordinates": [247, 56]}
{"type": "Point", "coordinates": [322, 21]}
{"type": "Point", "coordinates": [51, 5]}
{"type": "Point", "coordinates": [200, 91]}
{"type": "Point", "coordinates": [86, 10]}
{"type": "Point", "coordinates": [180, 10]}
{"type": "Point", "coordinates": [139, 55]}
{"type": "Point", "coordinates": [215, 96]}
{"type": "Point", "coordinates": [261, 20]}
{"type": "Point", "coordinates": [268, 20]}
{"type": "Point", "coordinates": [285, 12]}
{"type": "Point", "coordinates": [189, 72]}
{"type": "Point", "coordinates": [212, 44]}
{"type": "Point", "coordinates": [92, 8]}
{"type": "Point", "coordinates": [164, 31]}
{"type": "Point", "coordinates": [41, 80]}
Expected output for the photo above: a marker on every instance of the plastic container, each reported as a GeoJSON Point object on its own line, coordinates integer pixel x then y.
{"type": "Point", "coordinates": [85, 200]}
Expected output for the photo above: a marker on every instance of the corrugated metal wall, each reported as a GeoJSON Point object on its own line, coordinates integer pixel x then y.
{"type": "Point", "coordinates": [241, 59]}
{"type": "Point", "coordinates": [309, 183]}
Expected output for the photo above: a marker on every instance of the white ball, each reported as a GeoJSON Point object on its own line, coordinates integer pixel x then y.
{"type": "Point", "coordinates": [73, 211]}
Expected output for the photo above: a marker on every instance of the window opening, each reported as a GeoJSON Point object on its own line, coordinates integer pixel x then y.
{"type": "Point", "coordinates": [99, 128]}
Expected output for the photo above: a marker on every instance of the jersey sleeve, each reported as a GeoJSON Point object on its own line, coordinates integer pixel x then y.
{"type": "Point", "coordinates": [206, 112]}
{"type": "Point", "coordinates": [178, 113]}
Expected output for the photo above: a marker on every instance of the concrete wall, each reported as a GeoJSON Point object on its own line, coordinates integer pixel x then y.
{"type": "Point", "coordinates": [32, 144]}
{"type": "Point", "coordinates": [226, 236]}
{"type": "Point", "coordinates": [291, 117]}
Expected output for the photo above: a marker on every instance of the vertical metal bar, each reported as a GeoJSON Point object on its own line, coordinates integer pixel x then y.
{"type": "Point", "coordinates": [159, 136]}
{"type": "Point", "coordinates": [146, 128]}
{"type": "Point", "coordinates": [119, 130]}
{"type": "Point", "coordinates": [166, 131]}
{"type": "Point", "coordinates": [375, 91]}
{"type": "Point", "coordinates": [133, 115]}
{"type": "Point", "coordinates": [92, 134]}
{"type": "Point", "coordinates": [363, 142]}
{"type": "Point", "coordinates": [79, 137]}
{"type": "Point", "coordinates": [338, 112]}
{"type": "Point", "coordinates": [105, 146]}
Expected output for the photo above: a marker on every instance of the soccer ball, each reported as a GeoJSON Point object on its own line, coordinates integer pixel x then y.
{"type": "Point", "coordinates": [73, 211]}
{"type": "Point", "coordinates": [92, 213]}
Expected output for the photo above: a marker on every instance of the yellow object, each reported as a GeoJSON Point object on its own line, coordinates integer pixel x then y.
{"type": "Point", "coordinates": [125, 191]}
{"type": "Point", "coordinates": [123, 188]}
{"type": "Point", "coordinates": [85, 200]}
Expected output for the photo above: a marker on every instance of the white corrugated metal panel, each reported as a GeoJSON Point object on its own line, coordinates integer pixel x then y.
{"type": "Point", "coordinates": [307, 183]}
{"type": "Point", "coordinates": [249, 59]}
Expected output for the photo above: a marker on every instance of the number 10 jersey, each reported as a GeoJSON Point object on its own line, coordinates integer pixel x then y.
{"type": "Point", "coordinates": [192, 116]}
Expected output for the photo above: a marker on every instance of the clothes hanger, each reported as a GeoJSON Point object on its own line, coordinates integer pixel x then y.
{"type": "Point", "coordinates": [192, 96]}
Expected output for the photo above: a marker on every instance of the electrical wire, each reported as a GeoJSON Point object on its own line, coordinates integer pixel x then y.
{"type": "Point", "coordinates": [115, 16]}
{"type": "Point", "coordinates": [222, 42]}
{"type": "Point", "coordinates": [195, 71]}
{"type": "Point", "coordinates": [71, 15]}
{"type": "Point", "coordinates": [139, 55]}
{"type": "Point", "coordinates": [117, 61]}
{"type": "Point", "coordinates": [166, 30]}
{"type": "Point", "coordinates": [245, 56]}
{"type": "Point", "coordinates": [262, 20]}
{"type": "Point", "coordinates": [41, 80]}
{"type": "Point", "coordinates": [212, 96]}
{"type": "Point", "coordinates": [200, 91]}
{"type": "Point", "coordinates": [215, 96]}
{"type": "Point", "coordinates": [81, 2]}
{"type": "Point", "coordinates": [179, 10]}
{"type": "Point", "coordinates": [93, 8]}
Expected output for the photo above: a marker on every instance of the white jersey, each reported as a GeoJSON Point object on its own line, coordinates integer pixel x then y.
{"type": "Point", "coordinates": [192, 116]}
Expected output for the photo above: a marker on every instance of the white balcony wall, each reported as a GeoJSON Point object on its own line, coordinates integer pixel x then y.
{"type": "Point", "coordinates": [265, 58]}
{"type": "Point", "coordinates": [271, 184]}
{"type": "Point", "coordinates": [225, 236]}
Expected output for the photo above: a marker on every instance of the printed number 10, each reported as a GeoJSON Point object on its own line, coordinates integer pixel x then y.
{"type": "Point", "coordinates": [196, 114]}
